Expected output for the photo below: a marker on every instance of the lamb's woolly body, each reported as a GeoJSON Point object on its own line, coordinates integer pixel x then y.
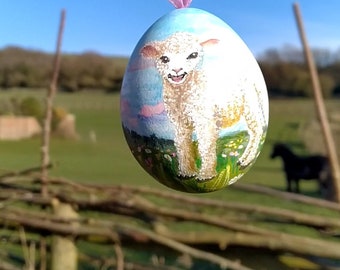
{"type": "Point", "coordinates": [193, 109]}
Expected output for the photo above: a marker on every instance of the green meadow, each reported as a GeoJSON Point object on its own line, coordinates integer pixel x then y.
{"type": "Point", "coordinates": [101, 155]}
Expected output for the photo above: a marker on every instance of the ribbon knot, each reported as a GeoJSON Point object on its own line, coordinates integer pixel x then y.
{"type": "Point", "coordinates": [180, 3]}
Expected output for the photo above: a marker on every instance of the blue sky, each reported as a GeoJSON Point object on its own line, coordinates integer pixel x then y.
{"type": "Point", "coordinates": [113, 27]}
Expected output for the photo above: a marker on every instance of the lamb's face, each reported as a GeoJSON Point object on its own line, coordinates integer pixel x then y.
{"type": "Point", "coordinates": [176, 66]}
{"type": "Point", "coordinates": [177, 56]}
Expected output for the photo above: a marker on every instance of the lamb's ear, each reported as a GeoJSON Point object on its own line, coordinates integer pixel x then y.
{"type": "Point", "coordinates": [149, 51]}
{"type": "Point", "coordinates": [209, 42]}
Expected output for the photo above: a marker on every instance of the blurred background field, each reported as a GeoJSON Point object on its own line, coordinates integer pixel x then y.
{"type": "Point", "coordinates": [89, 84]}
{"type": "Point", "coordinates": [100, 154]}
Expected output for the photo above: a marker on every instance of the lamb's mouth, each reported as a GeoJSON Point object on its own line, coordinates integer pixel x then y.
{"type": "Point", "coordinates": [178, 78]}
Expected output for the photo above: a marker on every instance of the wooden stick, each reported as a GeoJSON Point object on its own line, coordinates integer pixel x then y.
{"type": "Point", "coordinates": [240, 186]}
{"type": "Point", "coordinates": [287, 195]}
{"type": "Point", "coordinates": [114, 232]}
{"type": "Point", "coordinates": [24, 247]}
{"type": "Point", "coordinates": [180, 247]}
{"type": "Point", "coordinates": [119, 256]}
{"type": "Point", "coordinates": [45, 148]}
{"type": "Point", "coordinates": [22, 172]}
{"type": "Point", "coordinates": [64, 250]}
{"type": "Point", "coordinates": [7, 266]}
{"type": "Point", "coordinates": [320, 106]}
{"type": "Point", "coordinates": [43, 253]}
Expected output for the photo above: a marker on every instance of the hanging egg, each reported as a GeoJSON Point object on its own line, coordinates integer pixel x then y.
{"type": "Point", "coordinates": [194, 104]}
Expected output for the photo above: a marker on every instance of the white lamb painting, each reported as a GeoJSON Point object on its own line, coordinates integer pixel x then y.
{"type": "Point", "coordinates": [197, 106]}
{"type": "Point", "coordinates": [194, 103]}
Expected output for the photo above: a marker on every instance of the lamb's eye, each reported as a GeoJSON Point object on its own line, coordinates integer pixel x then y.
{"type": "Point", "coordinates": [165, 59]}
{"type": "Point", "coordinates": [193, 55]}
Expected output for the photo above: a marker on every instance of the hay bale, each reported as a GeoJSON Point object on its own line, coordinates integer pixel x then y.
{"type": "Point", "coordinates": [66, 128]}
{"type": "Point", "coordinates": [18, 127]}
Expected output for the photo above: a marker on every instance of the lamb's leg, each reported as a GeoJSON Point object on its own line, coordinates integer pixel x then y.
{"type": "Point", "coordinates": [185, 151]}
{"type": "Point", "coordinates": [207, 139]}
{"type": "Point", "coordinates": [254, 120]}
{"type": "Point", "coordinates": [250, 152]}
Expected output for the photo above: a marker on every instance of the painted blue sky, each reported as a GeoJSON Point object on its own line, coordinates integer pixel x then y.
{"type": "Point", "coordinates": [113, 27]}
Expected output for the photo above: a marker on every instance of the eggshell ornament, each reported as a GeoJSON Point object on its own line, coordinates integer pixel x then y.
{"type": "Point", "coordinates": [194, 104]}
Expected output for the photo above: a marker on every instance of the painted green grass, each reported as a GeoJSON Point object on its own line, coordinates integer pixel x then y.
{"type": "Point", "coordinates": [158, 157]}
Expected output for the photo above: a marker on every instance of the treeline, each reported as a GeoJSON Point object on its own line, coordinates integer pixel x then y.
{"type": "Point", "coordinates": [33, 69]}
{"type": "Point", "coordinates": [284, 71]}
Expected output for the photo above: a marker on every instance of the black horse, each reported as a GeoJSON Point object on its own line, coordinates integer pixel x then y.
{"type": "Point", "coordinates": [302, 167]}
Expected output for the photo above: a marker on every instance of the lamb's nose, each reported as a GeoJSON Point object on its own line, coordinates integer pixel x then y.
{"type": "Point", "coordinates": [177, 70]}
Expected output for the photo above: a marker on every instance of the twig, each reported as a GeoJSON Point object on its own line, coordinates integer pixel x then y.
{"type": "Point", "coordinates": [24, 246]}
{"type": "Point", "coordinates": [96, 263]}
{"type": "Point", "coordinates": [45, 148]}
{"type": "Point", "coordinates": [240, 186]}
{"type": "Point", "coordinates": [91, 188]}
{"type": "Point", "coordinates": [119, 256]}
{"type": "Point", "coordinates": [47, 226]}
{"type": "Point", "coordinates": [7, 266]}
{"type": "Point", "coordinates": [43, 253]}
{"type": "Point", "coordinates": [81, 187]}
{"type": "Point", "coordinates": [100, 202]}
{"type": "Point", "coordinates": [284, 214]}
{"type": "Point", "coordinates": [287, 195]}
{"type": "Point", "coordinates": [196, 253]}
{"type": "Point", "coordinates": [125, 200]}
{"type": "Point", "coordinates": [32, 249]}
{"type": "Point", "coordinates": [25, 172]}
{"type": "Point", "coordinates": [265, 238]}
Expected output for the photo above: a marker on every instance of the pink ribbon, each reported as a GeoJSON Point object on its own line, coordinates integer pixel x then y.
{"type": "Point", "coordinates": [180, 3]}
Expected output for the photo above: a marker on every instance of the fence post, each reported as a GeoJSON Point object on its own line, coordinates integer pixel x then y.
{"type": "Point", "coordinates": [64, 250]}
{"type": "Point", "coordinates": [46, 135]}
{"type": "Point", "coordinates": [320, 106]}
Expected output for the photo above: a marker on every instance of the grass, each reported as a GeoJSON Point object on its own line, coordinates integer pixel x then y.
{"type": "Point", "coordinates": [109, 157]}
{"type": "Point", "coordinates": [158, 157]}
{"type": "Point", "coordinates": [109, 161]}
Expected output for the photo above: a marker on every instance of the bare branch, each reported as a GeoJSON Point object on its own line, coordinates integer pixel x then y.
{"type": "Point", "coordinates": [119, 256]}
{"type": "Point", "coordinates": [45, 147]}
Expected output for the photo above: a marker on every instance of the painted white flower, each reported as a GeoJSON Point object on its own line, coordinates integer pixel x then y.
{"type": "Point", "coordinates": [167, 157]}
{"type": "Point", "coordinates": [234, 154]}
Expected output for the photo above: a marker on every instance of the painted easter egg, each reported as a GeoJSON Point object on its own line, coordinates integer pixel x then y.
{"type": "Point", "coordinates": [194, 104]}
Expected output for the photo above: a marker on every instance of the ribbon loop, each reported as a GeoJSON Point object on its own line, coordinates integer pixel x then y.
{"type": "Point", "coordinates": [180, 3]}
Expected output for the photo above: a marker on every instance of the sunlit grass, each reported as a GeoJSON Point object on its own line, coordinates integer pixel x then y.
{"type": "Point", "coordinates": [108, 160]}
{"type": "Point", "coordinates": [101, 156]}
